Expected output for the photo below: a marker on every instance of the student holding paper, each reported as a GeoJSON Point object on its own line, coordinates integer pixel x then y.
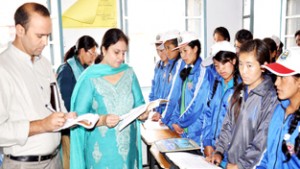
{"type": "Point", "coordinates": [109, 89]}
{"type": "Point", "coordinates": [160, 79]}
{"type": "Point", "coordinates": [191, 90]}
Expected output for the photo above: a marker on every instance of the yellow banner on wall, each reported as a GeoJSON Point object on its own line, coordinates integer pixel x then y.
{"type": "Point", "coordinates": [91, 14]}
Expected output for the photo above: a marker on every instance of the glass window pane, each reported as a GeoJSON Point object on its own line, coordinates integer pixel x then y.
{"type": "Point", "coordinates": [147, 18]}
{"type": "Point", "coordinates": [293, 7]}
{"type": "Point", "coordinates": [195, 26]}
{"type": "Point", "coordinates": [246, 23]}
{"type": "Point", "coordinates": [289, 41]}
{"type": "Point", "coordinates": [194, 7]}
{"type": "Point", "coordinates": [292, 25]}
{"type": "Point", "coordinates": [247, 6]}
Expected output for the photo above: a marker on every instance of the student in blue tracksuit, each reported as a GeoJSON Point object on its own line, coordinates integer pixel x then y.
{"type": "Point", "coordinates": [283, 145]}
{"type": "Point", "coordinates": [174, 66]}
{"type": "Point", "coordinates": [243, 136]}
{"type": "Point", "coordinates": [160, 77]}
{"type": "Point", "coordinates": [225, 63]}
{"type": "Point", "coordinates": [193, 86]}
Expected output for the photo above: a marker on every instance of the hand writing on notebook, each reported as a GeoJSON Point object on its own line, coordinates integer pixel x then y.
{"type": "Point", "coordinates": [56, 120]}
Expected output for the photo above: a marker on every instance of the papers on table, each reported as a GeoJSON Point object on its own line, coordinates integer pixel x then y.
{"type": "Point", "coordinates": [186, 160]}
{"type": "Point", "coordinates": [154, 125]}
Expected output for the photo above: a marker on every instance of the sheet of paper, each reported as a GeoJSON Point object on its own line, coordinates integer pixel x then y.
{"type": "Point", "coordinates": [129, 117]}
{"type": "Point", "coordinates": [154, 125]}
{"type": "Point", "coordinates": [126, 119]}
{"type": "Point", "coordinates": [190, 161]}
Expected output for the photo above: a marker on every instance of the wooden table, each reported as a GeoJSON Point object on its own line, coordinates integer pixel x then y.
{"type": "Point", "coordinates": [149, 136]}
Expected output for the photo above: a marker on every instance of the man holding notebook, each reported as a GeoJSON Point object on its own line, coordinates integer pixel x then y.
{"type": "Point", "coordinates": [26, 125]}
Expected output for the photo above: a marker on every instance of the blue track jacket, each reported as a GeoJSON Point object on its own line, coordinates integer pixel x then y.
{"type": "Point", "coordinates": [160, 88]}
{"type": "Point", "coordinates": [273, 157]}
{"type": "Point", "coordinates": [173, 75]}
{"type": "Point", "coordinates": [216, 111]}
{"type": "Point", "coordinates": [197, 91]}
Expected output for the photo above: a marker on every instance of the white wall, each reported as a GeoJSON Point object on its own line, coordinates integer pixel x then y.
{"type": "Point", "coordinates": [266, 18]}
{"type": "Point", "coordinates": [226, 13]}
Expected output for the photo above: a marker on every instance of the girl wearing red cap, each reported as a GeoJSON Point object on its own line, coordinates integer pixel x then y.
{"type": "Point", "coordinates": [283, 145]}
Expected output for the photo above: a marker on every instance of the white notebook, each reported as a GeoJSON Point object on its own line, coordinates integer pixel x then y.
{"type": "Point", "coordinates": [186, 160]}
{"type": "Point", "coordinates": [86, 120]}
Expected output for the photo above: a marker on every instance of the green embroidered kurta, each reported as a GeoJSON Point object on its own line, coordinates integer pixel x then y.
{"type": "Point", "coordinates": [104, 147]}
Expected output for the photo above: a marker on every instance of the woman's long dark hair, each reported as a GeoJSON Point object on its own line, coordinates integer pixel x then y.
{"type": "Point", "coordinates": [224, 57]}
{"type": "Point", "coordinates": [261, 51]}
{"type": "Point", "coordinates": [293, 126]}
{"type": "Point", "coordinates": [223, 32]}
{"type": "Point", "coordinates": [86, 42]}
{"type": "Point", "coordinates": [111, 37]}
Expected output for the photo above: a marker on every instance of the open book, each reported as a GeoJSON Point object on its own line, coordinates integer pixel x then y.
{"type": "Point", "coordinates": [176, 144]}
{"type": "Point", "coordinates": [86, 120]}
{"type": "Point", "coordinates": [185, 160]}
{"type": "Point", "coordinates": [136, 112]}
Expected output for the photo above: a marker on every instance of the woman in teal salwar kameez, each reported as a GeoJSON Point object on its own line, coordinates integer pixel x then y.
{"type": "Point", "coordinates": [109, 89]}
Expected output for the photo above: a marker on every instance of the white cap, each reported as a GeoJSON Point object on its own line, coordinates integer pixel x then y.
{"type": "Point", "coordinates": [159, 41]}
{"type": "Point", "coordinates": [287, 64]}
{"type": "Point", "coordinates": [172, 34]}
{"type": "Point", "coordinates": [217, 47]}
{"type": "Point", "coordinates": [276, 40]}
{"type": "Point", "coordinates": [158, 38]}
{"type": "Point", "coordinates": [185, 38]}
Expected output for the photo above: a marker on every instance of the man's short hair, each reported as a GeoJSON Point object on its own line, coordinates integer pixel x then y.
{"type": "Point", "coordinates": [297, 33]}
{"type": "Point", "coordinates": [243, 36]}
{"type": "Point", "coordinates": [22, 14]}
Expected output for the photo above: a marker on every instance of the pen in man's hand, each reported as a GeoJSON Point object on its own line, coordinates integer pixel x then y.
{"type": "Point", "coordinates": [50, 108]}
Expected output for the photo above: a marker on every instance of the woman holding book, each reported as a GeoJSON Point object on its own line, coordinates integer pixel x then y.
{"type": "Point", "coordinates": [244, 132]}
{"type": "Point", "coordinates": [283, 145]}
{"type": "Point", "coordinates": [193, 86]}
{"type": "Point", "coordinates": [109, 89]}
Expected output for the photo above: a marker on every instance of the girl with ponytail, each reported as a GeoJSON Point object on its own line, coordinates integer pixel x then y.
{"type": "Point", "coordinates": [244, 132]}
{"type": "Point", "coordinates": [225, 63]}
{"type": "Point", "coordinates": [283, 145]}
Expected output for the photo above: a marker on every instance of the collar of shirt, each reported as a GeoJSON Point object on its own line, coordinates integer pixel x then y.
{"type": "Point", "coordinates": [228, 85]}
{"type": "Point", "coordinates": [25, 57]}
